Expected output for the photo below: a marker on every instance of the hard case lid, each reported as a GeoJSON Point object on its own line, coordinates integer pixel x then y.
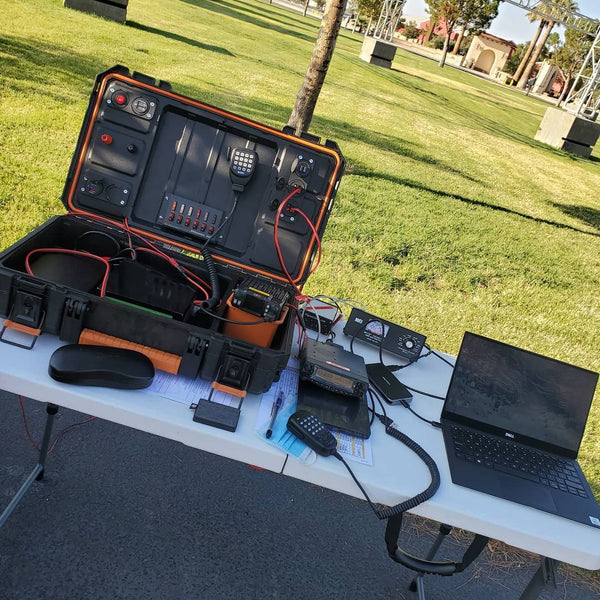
{"type": "Point", "coordinates": [186, 174]}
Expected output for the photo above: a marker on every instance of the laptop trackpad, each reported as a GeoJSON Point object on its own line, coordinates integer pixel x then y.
{"type": "Point", "coordinates": [511, 488]}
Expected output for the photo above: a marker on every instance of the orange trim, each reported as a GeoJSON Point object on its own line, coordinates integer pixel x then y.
{"type": "Point", "coordinates": [261, 334]}
{"type": "Point", "coordinates": [161, 360]}
{"type": "Point", "coordinates": [222, 113]}
{"type": "Point", "coordinates": [228, 390]}
{"type": "Point", "coordinates": [22, 328]}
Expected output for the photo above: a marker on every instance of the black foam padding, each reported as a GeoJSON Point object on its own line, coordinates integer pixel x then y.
{"type": "Point", "coordinates": [72, 270]}
{"type": "Point", "coordinates": [137, 283]}
{"type": "Point", "coordinates": [103, 366]}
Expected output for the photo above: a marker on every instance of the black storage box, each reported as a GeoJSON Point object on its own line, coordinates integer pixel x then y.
{"type": "Point", "coordinates": [181, 218]}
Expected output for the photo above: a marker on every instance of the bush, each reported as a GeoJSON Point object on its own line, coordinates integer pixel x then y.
{"type": "Point", "coordinates": [437, 42]}
{"type": "Point", "coordinates": [411, 32]}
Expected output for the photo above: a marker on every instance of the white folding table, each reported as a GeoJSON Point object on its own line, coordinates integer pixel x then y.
{"type": "Point", "coordinates": [396, 474]}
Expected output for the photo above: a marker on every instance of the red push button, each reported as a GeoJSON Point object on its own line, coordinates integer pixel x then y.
{"type": "Point", "coordinates": [121, 99]}
{"type": "Point", "coordinates": [106, 138]}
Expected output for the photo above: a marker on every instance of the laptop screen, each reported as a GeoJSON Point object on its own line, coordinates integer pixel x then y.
{"type": "Point", "coordinates": [520, 394]}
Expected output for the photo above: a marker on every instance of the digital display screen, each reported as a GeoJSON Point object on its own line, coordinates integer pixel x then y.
{"type": "Point", "coordinates": [520, 392]}
{"type": "Point", "coordinates": [336, 380]}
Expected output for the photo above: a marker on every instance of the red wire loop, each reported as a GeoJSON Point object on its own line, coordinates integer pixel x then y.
{"type": "Point", "coordinates": [299, 294]}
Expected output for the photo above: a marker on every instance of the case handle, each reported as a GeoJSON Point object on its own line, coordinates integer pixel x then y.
{"type": "Point", "coordinates": [35, 333]}
{"type": "Point", "coordinates": [165, 361]}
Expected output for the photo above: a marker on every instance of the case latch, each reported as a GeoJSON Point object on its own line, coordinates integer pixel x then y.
{"type": "Point", "coordinates": [26, 316]}
{"type": "Point", "coordinates": [192, 357]}
{"type": "Point", "coordinates": [219, 415]}
{"type": "Point", "coordinates": [72, 321]}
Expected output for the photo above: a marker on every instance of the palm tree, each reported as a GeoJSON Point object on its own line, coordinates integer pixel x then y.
{"type": "Point", "coordinates": [535, 55]}
{"type": "Point", "coordinates": [532, 17]}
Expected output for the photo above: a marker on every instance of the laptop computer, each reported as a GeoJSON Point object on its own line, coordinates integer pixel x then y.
{"type": "Point", "coordinates": [513, 421]}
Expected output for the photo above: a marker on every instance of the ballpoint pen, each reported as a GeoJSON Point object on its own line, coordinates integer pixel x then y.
{"type": "Point", "coordinates": [274, 410]}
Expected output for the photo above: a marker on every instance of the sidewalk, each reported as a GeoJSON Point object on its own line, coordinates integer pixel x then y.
{"type": "Point", "coordinates": [434, 54]}
{"type": "Point", "coordinates": [126, 515]}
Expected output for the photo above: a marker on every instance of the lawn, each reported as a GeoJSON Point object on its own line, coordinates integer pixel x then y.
{"type": "Point", "coordinates": [450, 217]}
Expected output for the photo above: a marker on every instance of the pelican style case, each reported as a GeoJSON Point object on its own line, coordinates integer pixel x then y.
{"type": "Point", "coordinates": [188, 234]}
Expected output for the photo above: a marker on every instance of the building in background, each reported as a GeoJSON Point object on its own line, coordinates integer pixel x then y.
{"type": "Point", "coordinates": [488, 54]}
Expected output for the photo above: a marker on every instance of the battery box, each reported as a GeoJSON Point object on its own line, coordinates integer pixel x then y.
{"type": "Point", "coordinates": [188, 232]}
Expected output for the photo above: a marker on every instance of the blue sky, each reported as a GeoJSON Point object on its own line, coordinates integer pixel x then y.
{"type": "Point", "coordinates": [511, 23]}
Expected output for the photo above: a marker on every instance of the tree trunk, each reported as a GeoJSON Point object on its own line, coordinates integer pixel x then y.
{"type": "Point", "coordinates": [527, 54]}
{"type": "Point", "coordinates": [445, 49]}
{"type": "Point", "coordinates": [310, 89]}
{"type": "Point", "coordinates": [305, 8]}
{"type": "Point", "coordinates": [565, 90]}
{"type": "Point", "coordinates": [459, 40]}
{"type": "Point", "coordinates": [535, 56]}
{"type": "Point", "coordinates": [429, 31]}
{"type": "Point", "coordinates": [356, 17]}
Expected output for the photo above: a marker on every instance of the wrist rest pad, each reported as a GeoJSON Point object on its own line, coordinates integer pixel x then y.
{"type": "Point", "coordinates": [101, 366]}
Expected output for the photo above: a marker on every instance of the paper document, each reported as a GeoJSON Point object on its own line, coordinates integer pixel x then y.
{"type": "Point", "coordinates": [351, 447]}
{"type": "Point", "coordinates": [187, 390]}
{"type": "Point", "coordinates": [287, 386]}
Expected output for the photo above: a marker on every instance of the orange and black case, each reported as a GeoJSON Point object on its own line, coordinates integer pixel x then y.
{"type": "Point", "coordinates": [173, 207]}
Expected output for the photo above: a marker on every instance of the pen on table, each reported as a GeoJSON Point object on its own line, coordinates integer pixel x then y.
{"type": "Point", "coordinates": [274, 410]}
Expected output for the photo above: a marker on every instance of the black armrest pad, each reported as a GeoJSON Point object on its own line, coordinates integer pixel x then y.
{"type": "Point", "coordinates": [101, 366]}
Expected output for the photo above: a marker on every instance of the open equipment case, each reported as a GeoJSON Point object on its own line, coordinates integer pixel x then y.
{"type": "Point", "coordinates": [185, 223]}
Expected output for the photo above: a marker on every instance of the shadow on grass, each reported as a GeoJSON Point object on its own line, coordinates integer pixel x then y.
{"type": "Point", "coordinates": [449, 101]}
{"type": "Point", "coordinates": [260, 18]}
{"type": "Point", "coordinates": [179, 38]}
{"type": "Point", "coordinates": [337, 130]}
{"type": "Point", "coordinates": [386, 142]}
{"type": "Point", "coordinates": [590, 216]}
{"type": "Point", "coordinates": [31, 66]}
{"type": "Point", "coordinates": [415, 185]}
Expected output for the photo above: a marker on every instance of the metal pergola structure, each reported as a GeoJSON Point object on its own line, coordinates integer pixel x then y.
{"type": "Point", "coordinates": [391, 11]}
{"type": "Point", "coordinates": [583, 98]}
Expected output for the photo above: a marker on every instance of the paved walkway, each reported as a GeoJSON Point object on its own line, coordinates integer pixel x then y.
{"type": "Point", "coordinates": [124, 515]}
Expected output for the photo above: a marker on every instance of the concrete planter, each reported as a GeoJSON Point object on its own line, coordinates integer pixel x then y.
{"type": "Point", "coordinates": [568, 132]}
{"type": "Point", "coordinates": [115, 10]}
{"type": "Point", "coordinates": [378, 53]}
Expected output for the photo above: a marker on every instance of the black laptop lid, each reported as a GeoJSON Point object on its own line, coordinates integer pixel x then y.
{"type": "Point", "coordinates": [521, 395]}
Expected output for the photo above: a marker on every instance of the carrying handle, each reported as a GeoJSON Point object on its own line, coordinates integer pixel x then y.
{"type": "Point", "coordinates": [32, 331]}
{"type": "Point", "coordinates": [422, 565]}
{"type": "Point", "coordinates": [165, 361]}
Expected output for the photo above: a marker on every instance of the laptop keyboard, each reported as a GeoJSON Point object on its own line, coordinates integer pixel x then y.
{"type": "Point", "coordinates": [493, 453]}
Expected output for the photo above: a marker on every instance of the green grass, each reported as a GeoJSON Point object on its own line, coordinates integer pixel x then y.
{"type": "Point", "coordinates": [451, 217]}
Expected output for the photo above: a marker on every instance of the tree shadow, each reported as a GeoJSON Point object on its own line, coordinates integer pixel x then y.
{"type": "Point", "coordinates": [257, 17]}
{"type": "Point", "coordinates": [366, 172]}
{"type": "Point", "coordinates": [590, 216]}
{"type": "Point", "coordinates": [337, 129]}
{"type": "Point", "coordinates": [386, 142]}
{"type": "Point", "coordinates": [27, 63]}
{"type": "Point", "coordinates": [179, 38]}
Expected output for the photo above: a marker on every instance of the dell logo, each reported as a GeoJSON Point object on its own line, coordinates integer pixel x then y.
{"type": "Point", "coordinates": [509, 435]}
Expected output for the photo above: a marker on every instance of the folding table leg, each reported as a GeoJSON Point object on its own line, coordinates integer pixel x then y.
{"type": "Point", "coordinates": [541, 577]}
{"type": "Point", "coordinates": [417, 583]}
{"type": "Point", "coordinates": [38, 471]}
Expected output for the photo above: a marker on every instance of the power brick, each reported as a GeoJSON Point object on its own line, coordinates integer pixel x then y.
{"type": "Point", "coordinates": [317, 311]}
